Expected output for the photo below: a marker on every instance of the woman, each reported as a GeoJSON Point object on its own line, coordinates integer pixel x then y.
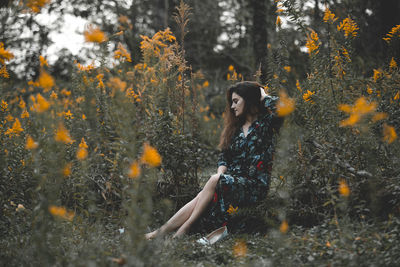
{"type": "Point", "coordinates": [244, 168]}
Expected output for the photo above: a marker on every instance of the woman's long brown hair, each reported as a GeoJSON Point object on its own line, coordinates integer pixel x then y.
{"type": "Point", "coordinates": [250, 92]}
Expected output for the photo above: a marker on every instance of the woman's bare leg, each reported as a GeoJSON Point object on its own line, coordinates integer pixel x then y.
{"type": "Point", "coordinates": [175, 221]}
{"type": "Point", "coordinates": [204, 198]}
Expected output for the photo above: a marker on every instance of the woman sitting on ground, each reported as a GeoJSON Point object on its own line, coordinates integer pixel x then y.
{"type": "Point", "coordinates": [244, 167]}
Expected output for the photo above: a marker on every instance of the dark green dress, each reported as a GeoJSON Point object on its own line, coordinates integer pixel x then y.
{"type": "Point", "coordinates": [249, 162]}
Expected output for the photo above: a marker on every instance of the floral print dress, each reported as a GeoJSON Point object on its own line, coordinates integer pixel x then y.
{"type": "Point", "coordinates": [249, 162]}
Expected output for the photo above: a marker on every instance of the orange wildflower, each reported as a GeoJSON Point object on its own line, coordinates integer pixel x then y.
{"type": "Point", "coordinates": [232, 210]}
{"type": "Point", "coordinates": [360, 108]}
{"type": "Point", "coordinates": [344, 189]}
{"type": "Point", "coordinates": [278, 21]}
{"type": "Point", "coordinates": [30, 143]}
{"type": "Point", "coordinates": [307, 96]}
{"type": "Point", "coordinates": [66, 171]}
{"type": "Point", "coordinates": [61, 212]}
{"type": "Point", "coordinates": [392, 64]}
{"type": "Point", "coordinates": [40, 104]}
{"type": "Point", "coordinates": [150, 156]}
{"type": "Point", "coordinates": [329, 16]}
{"type": "Point", "coordinates": [3, 106]}
{"type": "Point", "coordinates": [313, 43]}
{"type": "Point", "coordinates": [349, 27]}
{"type": "Point", "coordinates": [134, 170]}
{"type": "Point", "coordinates": [285, 105]}
{"type": "Point", "coordinates": [5, 55]}
{"type": "Point", "coordinates": [24, 114]}
{"type": "Point", "coordinates": [46, 80]}
{"type": "Point", "coordinates": [43, 61]}
{"type": "Point", "coordinates": [284, 227]}
{"type": "Point", "coordinates": [389, 134]}
{"type": "Point", "coordinates": [394, 32]}
{"type": "Point", "coordinates": [62, 135]}
{"type": "Point", "coordinates": [37, 5]}
{"type": "Point", "coordinates": [122, 53]}
{"type": "Point", "coordinates": [81, 153]}
{"type": "Point", "coordinates": [94, 35]}
{"type": "Point", "coordinates": [16, 129]}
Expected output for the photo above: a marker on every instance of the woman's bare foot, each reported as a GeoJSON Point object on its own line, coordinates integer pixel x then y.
{"type": "Point", "coordinates": [151, 235]}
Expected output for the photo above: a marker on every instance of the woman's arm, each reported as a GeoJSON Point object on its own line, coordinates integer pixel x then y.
{"type": "Point", "coordinates": [221, 169]}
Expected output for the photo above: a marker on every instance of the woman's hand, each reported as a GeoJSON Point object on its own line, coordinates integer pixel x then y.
{"type": "Point", "coordinates": [263, 94]}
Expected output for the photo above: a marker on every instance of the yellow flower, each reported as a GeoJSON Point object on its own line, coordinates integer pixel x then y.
{"type": "Point", "coordinates": [16, 129]}
{"type": "Point", "coordinates": [285, 105]}
{"type": "Point", "coordinates": [349, 27]}
{"type": "Point", "coordinates": [134, 170]}
{"type": "Point", "coordinates": [30, 143]}
{"type": "Point", "coordinates": [344, 189]}
{"type": "Point", "coordinates": [40, 104]}
{"type": "Point", "coordinates": [287, 68]}
{"type": "Point", "coordinates": [313, 42]}
{"type": "Point", "coordinates": [3, 106]}
{"type": "Point", "coordinates": [94, 34]}
{"type": "Point", "coordinates": [24, 114]}
{"type": "Point", "coordinates": [61, 212]}
{"type": "Point", "coordinates": [100, 79]}
{"type": "Point", "coordinates": [150, 156]}
{"type": "Point", "coordinates": [397, 96]}
{"type": "Point", "coordinates": [298, 85]}
{"type": "Point", "coordinates": [116, 84]}
{"type": "Point", "coordinates": [389, 134]}
{"type": "Point", "coordinates": [232, 210]}
{"type": "Point", "coordinates": [62, 135]}
{"type": "Point", "coordinates": [83, 143]}
{"type": "Point", "coordinates": [53, 95]}
{"type": "Point", "coordinates": [231, 68]}
{"type": "Point", "coordinates": [22, 104]}
{"type": "Point", "coordinates": [307, 96]}
{"type": "Point", "coordinates": [240, 249]}
{"type": "Point", "coordinates": [122, 53]}
{"type": "Point", "coordinates": [329, 16]}
{"type": "Point", "coordinates": [66, 171]}
{"type": "Point", "coordinates": [46, 80]}
{"type": "Point", "coordinates": [284, 227]}
{"type": "Point", "coordinates": [83, 117]}
{"type": "Point", "coordinates": [278, 21]}
{"type": "Point", "coordinates": [206, 84]}
{"type": "Point", "coordinates": [377, 74]}
{"type": "Point", "coordinates": [4, 72]}
{"type": "Point", "coordinates": [5, 55]}
{"type": "Point", "coordinates": [9, 117]}
{"type": "Point", "coordinates": [43, 61]}
{"type": "Point", "coordinates": [394, 32]}
{"type": "Point", "coordinates": [82, 153]}
{"type": "Point", "coordinates": [369, 90]}
{"type": "Point", "coordinates": [68, 115]}
{"type": "Point", "coordinates": [393, 64]}
{"type": "Point", "coordinates": [360, 108]}
{"type": "Point", "coordinates": [380, 116]}
{"type": "Point", "coordinates": [36, 5]}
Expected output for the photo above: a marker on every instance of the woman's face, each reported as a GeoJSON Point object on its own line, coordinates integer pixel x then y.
{"type": "Point", "coordinates": [237, 104]}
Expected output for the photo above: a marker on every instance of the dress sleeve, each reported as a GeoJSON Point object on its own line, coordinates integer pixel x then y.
{"type": "Point", "coordinates": [224, 158]}
{"type": "Point", "coordinates": [269, 102]}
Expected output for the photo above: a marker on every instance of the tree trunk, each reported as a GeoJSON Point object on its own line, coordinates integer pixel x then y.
{"type": "Point", "coordinates": [260, 36]}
